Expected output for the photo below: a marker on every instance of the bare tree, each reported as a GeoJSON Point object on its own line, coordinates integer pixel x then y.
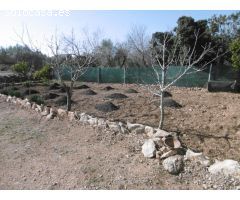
{"type": "Point", "coordinates": [138, 42]}
{"type": "Point", "coordinates": [166, 51]}
{"type": "Point", "coordinates": [71, 56]}
{"type": "Point", "coordinates": [121, 57]}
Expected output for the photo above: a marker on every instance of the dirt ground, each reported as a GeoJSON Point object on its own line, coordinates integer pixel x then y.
{"type": "Point", "coordinates": [208, 122]}
{"type": "Point", "coordinates": [40, 154]}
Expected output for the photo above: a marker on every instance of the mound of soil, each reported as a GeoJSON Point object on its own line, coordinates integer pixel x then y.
{"type": "Point", "coordinates": [106, 107]}
{"type": "Point", "coordinates": [116, 96]}
{"type": "Point", "coordinates": [107, 88]}
{"type": "Point", "coordinates": [89, 92]}
{"type": "Point", "coordinates": [54, 86]}
{"type": "Point", "coordinates": [167, 102]}
{"type": "Point", "coordinates": [165, 94]}
{"type": "Point", "coordinates": [82, 87]}
{"type": "Point", "coordinates": [30, 91]}
{"type": "Point", "coordinates": [131, 91]}
{"type": "Point", "coordinates": [51, 96]}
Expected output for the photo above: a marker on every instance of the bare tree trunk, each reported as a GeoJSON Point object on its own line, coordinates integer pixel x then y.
{"type": "Point", "coordinates": [69, 96]}
{"type": "Point", "coordinates": [161, 107]}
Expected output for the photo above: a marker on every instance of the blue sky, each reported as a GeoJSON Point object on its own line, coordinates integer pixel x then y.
{"type": "Point", "coordinates": [114, 24]}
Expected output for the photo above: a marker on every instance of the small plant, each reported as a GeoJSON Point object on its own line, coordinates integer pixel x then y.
{"type": "Point", "coordinates": [21, 68]}
{"type": "Point", "coordinates": [12, 92]}
{"type": "Point", "coordinates": [27, 84]}
{"type": "Point", "coordinates": [15, 93]}
{"type": "Point", "coordinates": [37, 99]}
{"type": "Point", "coordinates": [43, 74]}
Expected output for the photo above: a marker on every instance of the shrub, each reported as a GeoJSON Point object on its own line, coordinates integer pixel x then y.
{"type": "Point", "coordinates": [21, 68]}
{"type": "Point", "coordinates": [15, 93]}
{"type": "Point", "coordinates": [43, 74]}
{"type": "Point", "coordinates": [27, 84]}
{"type": "Point", "coordinates": [37, 99]}
{"type": "Point", "coordinates": [12, 92]}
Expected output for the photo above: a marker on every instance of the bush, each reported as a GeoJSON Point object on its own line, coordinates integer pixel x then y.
{"type": "Point", "coordinates": [21, 68]}
{"type": "Point", "coordinates": [37, 99]}
{"type": "Point", "coordinates": [43, 74]}
{"type": "Point", "coordinates": [15, 93]}
{"type": "Point", "coordinates": [27, 84]}
{"type": "Point", "coordinates": [12, 92]}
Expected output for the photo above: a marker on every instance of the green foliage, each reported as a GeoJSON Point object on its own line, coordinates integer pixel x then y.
{"type": "Point", "coordinates": [12, 92]}
{"type": "Point", "coordinates": [37, 99]}
{"type": "Point", "coordinates": [43, 73]}
{"type": "Point", "coordinates": [21, 68]}
{"type": "Point", "coordinates": [235, 50]}
{"type": "Point", "coordinates": [27, 84]}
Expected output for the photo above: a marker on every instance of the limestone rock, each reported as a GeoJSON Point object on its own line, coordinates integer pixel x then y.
{"type": "Point", "coordinates": [227, 167]}
{"type": "Point", "coordinates": [149, 148]}
{"type": "Point", "coordinates": [174, 164]}
{"type": "Point", "coordinates": [132, 127]}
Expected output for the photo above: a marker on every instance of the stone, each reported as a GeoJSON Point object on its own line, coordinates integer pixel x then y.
{"type": "Point", "coordinates": [168, 154]}
{"type": "Point", "coordinates": [123, 128]}
{"type": "Point", "coordinates": [61, 113]}
{"type": "Point", "coordinates": [46, 111]}
{"type": "Point", "coordinates": [197, 157]}
{"type": "Point", "coordinates": [49, 116]}
{"type": "Point", "coordinates": [28, 105]}
{"type": "Point", "coordinates": [34, 105]}
{"type": "Point", "coordinates": [226, 167]}
{"type": "Point", "coordinates": [93, 121]}
{"type": "Point", "coordinates": [174, 164]}
{"type": "Point", "coordinates": [84, 117]}
{"type": "Point", "coordinates": [149, 148]}
{"type": "Point", "coordinates": [172, 142]}
{"type": "Point", "coordinates": [114, 126]}
{"type": "Point", "coordinates": [132, 127]}
{"type": "Point", "coordinates": [139, 130]}
{"type": "Point", "coordinates": [71, 116]}
{"type": "Point", "coordinates": [149, 131]}
{"type": "Point", "coordinates": [161, 133]}
{"type": "Point", "coordinates": [101, 122]}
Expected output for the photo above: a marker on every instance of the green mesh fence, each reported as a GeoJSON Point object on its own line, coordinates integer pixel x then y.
{"type": "Point", "coordinates": [141, 75]}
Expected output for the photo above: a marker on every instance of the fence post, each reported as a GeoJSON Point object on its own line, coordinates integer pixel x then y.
{"type": "Point", "coordinates": [99, 74]}
{"type": "Point", "coordinates": [210, 71]}
{"type": "Point", "coordinates": [124, 75]}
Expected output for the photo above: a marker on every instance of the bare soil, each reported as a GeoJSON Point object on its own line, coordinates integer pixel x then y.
{"type": "Point", "coordinates": [39, 154]}
{"type": "Point", "coordinates": [208, 122]}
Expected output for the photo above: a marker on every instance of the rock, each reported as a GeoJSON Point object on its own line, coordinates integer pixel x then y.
{"type": "Point", "coordinates": [149, 148]}
{"type": "Point", "coordinates": [123, 128]}
{"type": "Point", "coordinates": [174, 164]}
{"type": "Point", "coordinates": [93, 121]}
{"type": "Point", "coordinates": [71, 116]}
{"type": "Point", "coordinates": [49, 116]}
{"type": "Point", "coordinates": [161, 133]}
{"type": "Point", "coordinates": [84, 117]}
{"type": "Point", "coordinates": [62, 113]}
{"type": "Point", "coordinates": [114, 126]}
{"type": "Point", "coordinates": [168, 154]}
{"type": "Point", "coordinates": [172, 142]}
{"type": "Point", "coordinates": [226, 167]}
{"type": "Point", "coordinates": [197, 157]}
{"type": "Point", "coordinates": [28, 105]}
{"type": "Point", "coordinates": [46, 111]}
{"type": "Point", "coordinates": [149, 131]}
{"type": "Point", "coordinates": [101, 122]}
{"type": "Point", "coordinates": [139, 130]}
{"type": "Point", "coordinates": [132, 127]}
{"type": "Point", "coordinates": [34, 106]}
